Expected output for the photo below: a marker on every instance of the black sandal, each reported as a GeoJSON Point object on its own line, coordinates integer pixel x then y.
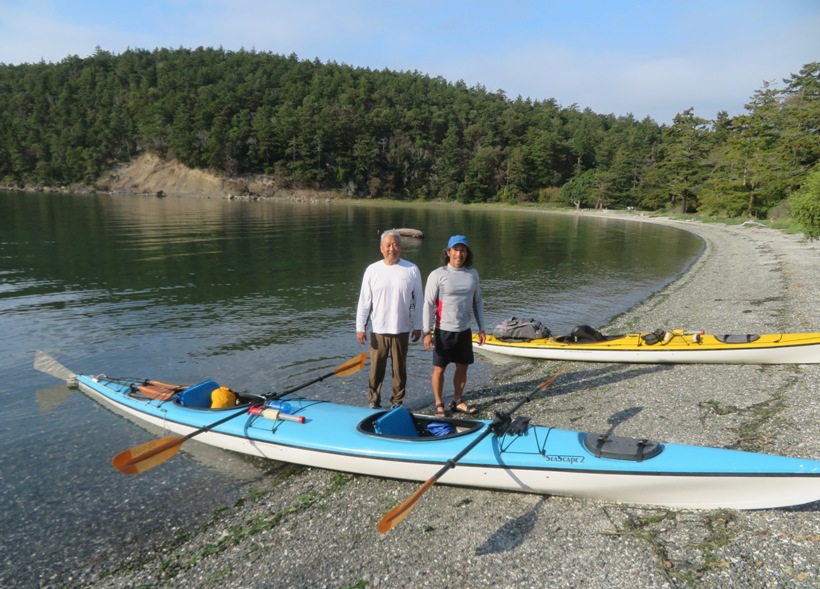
{"type": "Point", "coordinates": [468, 409]}
{"type": "Point", "coordinates": [440, 410]}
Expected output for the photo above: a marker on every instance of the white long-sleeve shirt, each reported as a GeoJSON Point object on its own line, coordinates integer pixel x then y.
{"type": "Point", "coordinates": [390, 297]}
{"type": "Point", "coordinates": [451, 297]}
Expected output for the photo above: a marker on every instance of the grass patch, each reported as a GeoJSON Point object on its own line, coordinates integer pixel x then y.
{"type": "Point", "coordinates": [759, 422]}
{"type": "Point", "coordinates": [178, 559]}
{"type": "Point", "coordinates": [719, 532]}
{"type": "Point", "coordinates": [252, 526]}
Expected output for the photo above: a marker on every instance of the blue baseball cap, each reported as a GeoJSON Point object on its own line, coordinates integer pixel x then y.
{"type": "Point", "coordinates": [457, 239]}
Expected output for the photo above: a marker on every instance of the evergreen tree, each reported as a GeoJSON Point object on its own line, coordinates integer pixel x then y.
{"type": "Point", "coordinates": [394, 134]}
{"type": "Point", "coordinates": [804, 205]}
{"type": "Point", "coordinates": [676, 177]}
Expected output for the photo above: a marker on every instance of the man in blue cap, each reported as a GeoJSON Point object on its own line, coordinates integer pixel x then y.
{"type": "Point", "coordinates": [452, 297]}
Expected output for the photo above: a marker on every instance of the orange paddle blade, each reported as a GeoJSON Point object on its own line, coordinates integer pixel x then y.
{"type": "Point", "coordinates": [148, 455]}
{"type": "Point", "coordinates": [547, 383]}
{"type": "Point", "coordinates": [352, 366]}
{"type": "Point", "coordinates": [398, 513]}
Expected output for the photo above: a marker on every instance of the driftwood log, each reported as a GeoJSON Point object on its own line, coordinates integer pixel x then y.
{"type": "Point", "coordinates": [407, 232]}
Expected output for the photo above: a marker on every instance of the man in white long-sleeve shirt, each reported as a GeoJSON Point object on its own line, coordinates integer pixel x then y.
{"type": "Point", "coordinates": [452, 297]}
{"type": "Point", "coordinates": [391, 298]}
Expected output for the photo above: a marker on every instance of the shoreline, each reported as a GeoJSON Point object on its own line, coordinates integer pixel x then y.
{"type": "Point", "coordinates": [314, 528]}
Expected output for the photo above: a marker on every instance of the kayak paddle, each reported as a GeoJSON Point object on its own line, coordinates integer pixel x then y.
{"type": "Point", "coordinates": [398, 513]}
{"type": "Point", "coordinates": [148, 455]}
{"type": "Point", "coordinates": [45, 363]}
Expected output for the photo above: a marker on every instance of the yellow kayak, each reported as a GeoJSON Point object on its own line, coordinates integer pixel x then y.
{"type": "Point", "coordinates": [665, 347]}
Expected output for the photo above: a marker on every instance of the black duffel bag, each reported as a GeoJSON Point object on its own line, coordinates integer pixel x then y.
{"type": "Point", "coordinates": [584, 334]}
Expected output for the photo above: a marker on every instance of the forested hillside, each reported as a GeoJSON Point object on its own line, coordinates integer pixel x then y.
{"type": "Point", "coordinates": [401, 135]}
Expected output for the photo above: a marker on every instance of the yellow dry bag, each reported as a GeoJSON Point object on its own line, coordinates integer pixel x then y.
{"type": "Point", "coordinates": [222, 397]}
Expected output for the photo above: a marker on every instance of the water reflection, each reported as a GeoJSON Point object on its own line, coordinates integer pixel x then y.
{"type": "Point", "coordinates": [258, 295]}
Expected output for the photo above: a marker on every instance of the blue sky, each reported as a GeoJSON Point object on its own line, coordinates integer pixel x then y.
{"type": "Point", "coordinates": [646, 57]}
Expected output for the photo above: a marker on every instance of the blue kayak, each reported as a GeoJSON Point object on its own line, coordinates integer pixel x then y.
{"type": "Point", "coordinates": [534, 459]}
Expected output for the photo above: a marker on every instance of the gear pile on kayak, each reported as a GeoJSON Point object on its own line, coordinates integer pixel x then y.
{"type": "Point", "coordinates": [506, 454]}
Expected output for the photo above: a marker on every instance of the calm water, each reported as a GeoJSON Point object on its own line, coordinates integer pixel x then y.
{"type": "Point", "coordinates": [259, 296]}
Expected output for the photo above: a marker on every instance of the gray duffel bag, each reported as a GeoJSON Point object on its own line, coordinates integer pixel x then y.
{"type": "Point", "coordinates": [520, 330]}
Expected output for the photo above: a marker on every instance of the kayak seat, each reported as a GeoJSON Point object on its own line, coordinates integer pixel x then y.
{"type": "Point", "coordinates": [396, 423]}
{"type": "Point", "coordinates": [427, 428]}
{"type": "Point", "coordinates": [199, 395]}
{"type": "Point", "coordinates": [571, 339]}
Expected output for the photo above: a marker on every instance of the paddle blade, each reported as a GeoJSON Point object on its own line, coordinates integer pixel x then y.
{"type": "Point", "coordinates": [148, 455]}
{"type": "Point", "coordinates": [398, 513]}
{"type": "Point", "coordinates": [45, 363]}
{"type": "Point", "coordinates": [352, 366]}
{"type": "Point", "coordinates": [547, 383]}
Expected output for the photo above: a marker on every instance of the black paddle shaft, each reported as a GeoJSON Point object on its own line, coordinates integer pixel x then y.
{"type": "Point", "coordinates": [498, 426]}
{"type": "Point", "coordinates": [267, 397]}
{"type": "Point", "coordinates": [271, 397]}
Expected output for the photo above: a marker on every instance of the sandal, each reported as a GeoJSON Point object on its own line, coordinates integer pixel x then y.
{"type": "Point", "coordinates": [440, 410]}
{"type": "Point", "coordinates": [463, 407]}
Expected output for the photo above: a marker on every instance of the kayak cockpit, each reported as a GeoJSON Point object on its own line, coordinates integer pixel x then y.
{"type": "Point", "coordinates": [198, 396]}
{"type": "Point", "coordinates": [401, 424]}
{"type": "Point", "coordinates": [737, 338]}
{"type": "Point", "coordinates": [584, 334]}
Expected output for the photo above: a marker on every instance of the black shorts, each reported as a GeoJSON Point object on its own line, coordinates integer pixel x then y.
{"type": "Point", "coordinates": [452, 346]}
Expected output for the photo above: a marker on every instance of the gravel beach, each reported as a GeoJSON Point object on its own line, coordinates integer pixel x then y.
{"type": "Point", "coordinates": [312, 528]}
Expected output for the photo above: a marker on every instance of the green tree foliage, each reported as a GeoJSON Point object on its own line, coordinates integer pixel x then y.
{"type": "Point", "coordinates": [800, 128]}
{"type": "Point", "coordinates": [675, 180]}
{"type": "Point", "coordinates": [395, 134]}
{"type": "Point", "coordinates": [752, 176]}
{"type": "Point", "coordinates": [804, 205]}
